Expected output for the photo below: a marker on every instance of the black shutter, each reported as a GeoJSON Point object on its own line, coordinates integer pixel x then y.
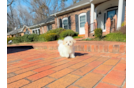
{"type": "Point", "coordinates": [69, 22]}
{"type": "Point", "coordinates": [104, 19]}
{"type": "Point", "coordinates": [77, 23]}
{"type": "Point", "coordinates": [88, 17]}
{"type": "Point", "coordinates": [60, 23]}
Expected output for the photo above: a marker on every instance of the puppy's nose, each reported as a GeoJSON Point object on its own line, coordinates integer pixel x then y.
{"type": "Point", "coordinates": [68, 44]}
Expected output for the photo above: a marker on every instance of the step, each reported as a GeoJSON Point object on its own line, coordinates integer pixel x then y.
{"type": "Point", "coordinates": [90, 46]}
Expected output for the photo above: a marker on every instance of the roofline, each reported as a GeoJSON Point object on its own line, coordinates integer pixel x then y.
{"type": "Point", "coordinates": [71, 8]}
{"type": "Point", "coordinates": [41, 24]}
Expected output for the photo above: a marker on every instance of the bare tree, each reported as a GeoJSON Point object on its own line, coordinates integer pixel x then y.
{"type": "Point", "coordinates": [40, 9]}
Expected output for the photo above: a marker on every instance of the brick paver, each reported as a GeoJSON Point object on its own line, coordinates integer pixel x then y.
{"type": "Point", "coordinates": [46, 69]}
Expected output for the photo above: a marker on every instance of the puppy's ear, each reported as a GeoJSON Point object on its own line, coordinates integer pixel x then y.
{"type": "Point", "coordinates": [74, 41]}
{"type": "Point", "coordinates": [64, 42]}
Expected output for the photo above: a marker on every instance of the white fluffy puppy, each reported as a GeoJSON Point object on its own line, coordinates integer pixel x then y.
{"type": "Point", "coordinates": [66, 47]}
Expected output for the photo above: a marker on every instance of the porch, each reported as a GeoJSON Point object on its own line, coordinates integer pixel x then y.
{"type": "Point", "coordinates": [107, 15]}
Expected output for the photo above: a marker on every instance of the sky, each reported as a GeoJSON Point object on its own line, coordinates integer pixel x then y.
{"type": "Point", "coordinates": [26, 5]}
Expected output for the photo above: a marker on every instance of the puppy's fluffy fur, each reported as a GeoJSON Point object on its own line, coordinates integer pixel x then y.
{"type": "Point", "coordinates": [66, 47]}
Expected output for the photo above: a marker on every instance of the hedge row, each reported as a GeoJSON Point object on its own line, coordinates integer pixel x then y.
{"type": "Point", "coordinates": [48, 36]}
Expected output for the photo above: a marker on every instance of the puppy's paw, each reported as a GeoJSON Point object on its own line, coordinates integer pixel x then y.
{"type": "Point", "coordinates": [72, 56]}
{"type": "Point", "coordinates": [67, 56]}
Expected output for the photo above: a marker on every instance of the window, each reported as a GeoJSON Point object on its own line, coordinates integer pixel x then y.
{"type": "Point", "coordinates": [49, 27]}
{"type": "Point", "coordinates": [27, 32]}
{"type": "Point", "coordinates": [65, 23]}
{"type": "Point", "coordinates": [110, 14]}
{"type": "Point", "coordinates": [36, 31]}
{"type": "Point", "coordinates": [82, 20]}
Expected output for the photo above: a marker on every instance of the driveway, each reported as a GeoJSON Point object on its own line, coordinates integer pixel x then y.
{"type": "Point", "coordinates": [31, 68]}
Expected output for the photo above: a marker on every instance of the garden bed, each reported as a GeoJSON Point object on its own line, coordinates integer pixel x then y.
{"type": "Point", "coordinates": [119, 37]}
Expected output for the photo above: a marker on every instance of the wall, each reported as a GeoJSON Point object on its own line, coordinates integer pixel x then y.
{"type": "Point", "coordinates": [72, 15]}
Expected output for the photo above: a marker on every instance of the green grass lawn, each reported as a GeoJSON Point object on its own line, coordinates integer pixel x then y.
{"type": "Point", "coordinates": [120, 37]}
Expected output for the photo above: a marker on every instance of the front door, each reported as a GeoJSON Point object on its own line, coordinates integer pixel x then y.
{"type": "Point", "coordinates": [110, 14]}
{"type": "Point", "coordinates": [82, 21]}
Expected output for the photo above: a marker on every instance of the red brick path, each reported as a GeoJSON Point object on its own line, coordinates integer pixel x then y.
{"type": "Point", "coordinates": [46, 69]}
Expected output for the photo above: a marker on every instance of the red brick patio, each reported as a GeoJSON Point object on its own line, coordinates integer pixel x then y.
{"type": "Point", "coordinates": [46, 69]}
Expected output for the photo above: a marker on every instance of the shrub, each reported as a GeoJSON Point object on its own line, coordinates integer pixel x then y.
{"type": "Point", "coordinates": [41, 37]}
{"type": "Point", "coordinates": [57, 31]}
{"type": "Point", "coordinates": [32, 37]}
{"type": "Point", "coordinates": [98, 33]}
{"type": "Point", "coordinates": [50, 36]}
{"type": "Point", "coordinates": [116, 37]}
{"type": "Point", "coordinates": [24, 38]}
{"type": "Point", "coordinates": [68, 33]}
{"type": "Point", "coordinates": [16, 40]}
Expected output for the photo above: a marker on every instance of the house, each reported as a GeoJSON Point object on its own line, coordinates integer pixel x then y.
{"type": "Point", "coordinates": [39, 28]}
{"type": "Point", "coordinates": [19, 32]}
{"type": "Point", "coordinates": [105, 14]}
{"type": "Point", "coordinates": [43, 26]}
{"type": "Point", "coordinates": [95, 12]}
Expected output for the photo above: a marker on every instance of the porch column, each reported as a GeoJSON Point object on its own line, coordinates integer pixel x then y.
{"type": "Point", "coordinates": [120, 13]}
{"type": "Point", "coordinates": [92, 17]}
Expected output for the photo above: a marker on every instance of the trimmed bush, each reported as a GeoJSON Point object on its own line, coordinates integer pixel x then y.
{"type": "Point", "coordinates": [16, 40]}
{"type": "Point", "coordinates": [57, 31]}
{"type": "Point", "coordinates": [68, 33]}
{"type": "Point", "coordinates": [50, 36]}
{"type": "Point", "coordinates": [41, 37]}
{"type": "Point", "coordinates": [32, 37]}
{"type": "Point", "coordinates": [24, 38]}
{"type": "Point", "coordinates": [98, 33]}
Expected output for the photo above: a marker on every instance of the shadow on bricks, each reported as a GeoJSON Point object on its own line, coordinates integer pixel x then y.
{"type": "Point", "coordinates": [80, 54]}
{"type": "Point", "coordinates": [15, 49]}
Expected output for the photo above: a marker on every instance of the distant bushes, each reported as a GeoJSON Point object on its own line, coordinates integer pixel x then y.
{"type": "Point", "coordinates": [50, 35]}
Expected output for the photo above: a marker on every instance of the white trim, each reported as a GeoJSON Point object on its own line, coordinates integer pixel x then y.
{"type": "Point", "coordinates": [92, 17]}
{"type": "Point", "coordinates": [66, 18]}
{"type": "Point", "coordinates": [82, 29]}
{"type": "Point", "coordinates": [120, 12]}
{"type": "Point", "coordinates": [35, 30]}
{"type": "Point", "coordinates": [82, 14]}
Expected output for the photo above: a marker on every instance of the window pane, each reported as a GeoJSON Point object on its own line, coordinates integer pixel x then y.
{"type": "Point", "coordinates": [65, 22]}
{"type": "Point", "coordinates": [82, 24]}
{"type": "Point", "coordinates": [49, 27]}
{"type": "Point", "coordinates": [110, 14]}
{"type": "Point", "coordinates": [33, 32]}
{"type": "Point", "coordinates": [82, 18]}
{"type": "Point", "coordinates": [82, 21]}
